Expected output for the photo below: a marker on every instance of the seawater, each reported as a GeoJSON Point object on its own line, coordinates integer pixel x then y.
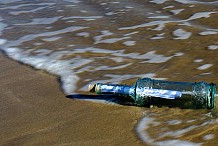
{"type": "Point", "coordinates": [92, 41]}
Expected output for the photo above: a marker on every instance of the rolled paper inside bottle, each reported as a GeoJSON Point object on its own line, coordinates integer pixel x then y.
{"type": "Point", "coordinates": [167, 94]}
{"type": "Point", "coordinates": [124, 91]}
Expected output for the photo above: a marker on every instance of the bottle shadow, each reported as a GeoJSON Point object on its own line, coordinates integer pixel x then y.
{"type": "Point", "coordinates": [103, 99]}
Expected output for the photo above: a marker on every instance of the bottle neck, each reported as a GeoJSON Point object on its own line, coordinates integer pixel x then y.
{"type": "Point", "coordinates": [115, 89]}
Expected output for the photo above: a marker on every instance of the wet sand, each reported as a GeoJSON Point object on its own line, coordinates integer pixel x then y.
{"type": "Point", "coordinates": [35, 112]}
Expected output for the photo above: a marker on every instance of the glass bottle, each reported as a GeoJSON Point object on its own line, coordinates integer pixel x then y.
{"type": "Point", "coordinates": [146, 92]}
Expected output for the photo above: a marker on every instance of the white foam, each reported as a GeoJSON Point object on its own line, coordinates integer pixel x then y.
{"type": "Point", "coordinates": [167, 7]}
{"type": "Point", "coordinates": [2, 41]}
{"type": "Point", "coordinates": [208, 32]}
{"type": "Point", "coordinates": [30, 11]}
{"type": "Point", "coordinates": [158, 1]}
{"type": "Point", "coordinates": [103, 34]}
{"type": "Point", "coordinates": [160, 25]}
{"type": "Point", "coordinates": [131, 33]}
{"type": "Point", "coordinates": [181, 34]}
{"type": "Point", "coordinates": [184, 1]}
{"type": "Point", "coordinates": [129, 43]}
{"type": "Point", "coordinates": [60, 10]}
{"type": "Point", "coordinates": [83, 17]}
{"type": "Point", "coordinates": [194, 2]}
{"type": "Point", "coordinates": [200, 15]}
{"type": "Point", "coordinates": [209, 137]}
{"type": "Point", "coordinates": [205, 66]}
{"type": "Point", "coordinates": [111, 40]}
{"type": "Point", "coordinates": [8, 1]}
{"type": "Point", "coordinates": [36, 21]}
{"type": "Point", "coordinates": [51, 39]}
{"type": "Point", "coordinates": [213, 47]}
{"type": "Point", "coordinates": [176, 143]}
{"type": "Point", "coordinates": [37, 44]}
{"type": "Point", "coordinates": [129, 7]}
{"type": "Point", "coordinates": [83, 34]}
{"type": "Point", "coordinates": [198, 60]}
{"type": "Point", "coordinates": [114, 2]}
{"type": "Point", "coordinates": [110, 13]}
{"type": "Point", "coordinates": [42, 52]}
{"type": "Point", "coordinates": [150, 57]}
{"type": "Point", "coordinates": [158, 17]}
{"type": "Point", "coordinates": [178, 54]}
{"type": "Point", "coordinates": [177, 11]}
{"type": "Point", "coordinates": [146, 123]}
{"type": "Point", "coordinates": [73, 1]}
{"type": "Point", "coordinates": [51, 64]}
{"type": "Point", "coordinates": [2, 26]}
{"type": "Point", "coordinates": [158, 36]}
{"type": "Point", "coordinates": [45, 34]}
{"type": "Point", "coordinates": [83, 11]}
{"type": "Point", "coordinates": [174, 122]}
{"type": "Point", "coordinates": [103, 67]}
{"type": "Point", "coordinates": [24, 5]}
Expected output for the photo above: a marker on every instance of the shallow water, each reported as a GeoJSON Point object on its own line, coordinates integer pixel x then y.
{"type": "Point", "coordinates": [105, 41]}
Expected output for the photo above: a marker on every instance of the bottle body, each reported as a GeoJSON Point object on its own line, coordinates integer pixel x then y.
{"type": "Point", "coordinates": [189, 95]}
{"type": "Point", "coordinates": [146, 92]}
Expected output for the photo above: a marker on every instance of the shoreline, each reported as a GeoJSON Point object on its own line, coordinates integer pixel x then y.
{"type": "Point", "coordinates": [34, 111]}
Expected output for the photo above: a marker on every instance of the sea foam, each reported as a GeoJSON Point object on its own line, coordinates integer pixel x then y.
{"type": "Point", "coordinates": [62, 68]}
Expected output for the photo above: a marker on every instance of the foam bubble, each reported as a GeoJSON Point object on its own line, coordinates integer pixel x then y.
{"type": "Point", "coordinates": [83, 34]}
{"type": "Point", "coordinates": [213, 47]}
{"type": "Point", "coordinates": [198, 60]}
{"type": "Point", "coordinates": [208, 137]}
{"type": "Point", "coordinates": [208, 32]}
{"type": "Point", "coordinates": [205, 66]}
{"type": "Point", "coordinates": [129, 43]}
{"type": "Point", "coordinates": [177, 11]}
{"type": "Point", "coordinates": [181, 34]}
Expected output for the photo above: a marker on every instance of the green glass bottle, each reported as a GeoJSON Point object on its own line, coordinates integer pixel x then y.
{"type": "Point", "coordinates": [146, 92]}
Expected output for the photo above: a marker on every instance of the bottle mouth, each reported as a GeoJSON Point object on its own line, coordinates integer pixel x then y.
{"type": "Point", "coordinates": [211, 95]}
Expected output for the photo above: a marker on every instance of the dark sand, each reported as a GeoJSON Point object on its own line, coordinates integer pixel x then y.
{"type": "Point", "coordinates": [35, 112]}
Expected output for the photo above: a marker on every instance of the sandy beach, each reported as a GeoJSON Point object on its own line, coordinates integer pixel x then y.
{"type": "Point", "coordinates": [63, 46]}
{"type": "Point", "coordinates": [35, 112]}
